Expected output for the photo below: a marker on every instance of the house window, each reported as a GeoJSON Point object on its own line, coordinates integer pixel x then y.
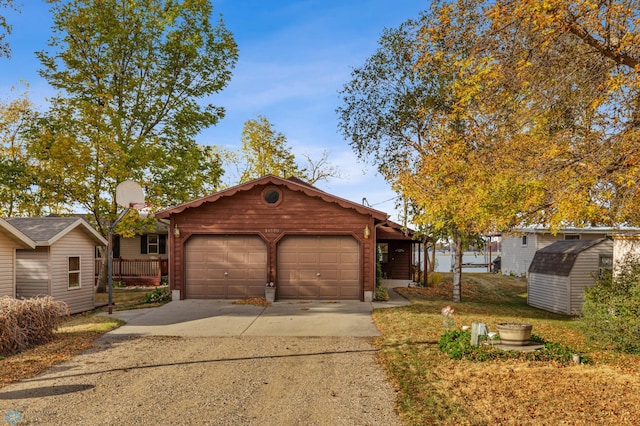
{"type": "Point", "coordinates": [153, 244]}
{"type": "Point", "coordinates": [524, 241]}
{"type": "Point", "coordinates": [572, 237]}
{"type": "Point", "coordinates": [605, 264]}
{"type": "Point", "coordinates": [74, 272]}
{"type": "Point", "coordinates": [383, 252]}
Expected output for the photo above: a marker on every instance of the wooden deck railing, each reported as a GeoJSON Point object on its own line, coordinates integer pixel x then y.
{"type": "Point", "coordinates": [136, 268]}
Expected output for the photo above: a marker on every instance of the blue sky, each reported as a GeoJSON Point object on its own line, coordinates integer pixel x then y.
{"type": "Point", "coordinates": [295, 56]}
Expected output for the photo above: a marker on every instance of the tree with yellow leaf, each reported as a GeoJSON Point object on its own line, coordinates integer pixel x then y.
{"type": "Point", "coordinates": [19, 193]}
{"type": "Point", "coordinates": [489, 115]}
{"type": "Point", "coordinates": [576, 65]}
{"type": "Point", "coordinates": [135, 81]}
{"type": "Point", "coordinates": [417, 107]}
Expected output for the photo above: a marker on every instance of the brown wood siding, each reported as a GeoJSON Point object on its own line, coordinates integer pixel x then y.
{"type": "Point", "coordinates": [398, 266]}
{"type": "Point", "coordinates": [7, 267]}
{"type": "Point", "coordinates": [296, 214]}
{"type": "Point", "coordinates": [32, 272]}
{"type": "Point", "coordinates": [76, 243]}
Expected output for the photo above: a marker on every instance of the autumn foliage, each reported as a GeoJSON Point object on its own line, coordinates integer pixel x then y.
{"type": "Point", "coordinates": [28, 322]}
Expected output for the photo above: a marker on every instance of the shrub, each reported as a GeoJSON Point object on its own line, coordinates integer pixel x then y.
{"type": "Point", "coordinates": [158, 295]}
{"type": "Point", "coordinates": [28, 322]}
{"type": "Point", "coordinates": [457, 344]}
{"type": "Point", "coordinates": [611, 311]}
{"type": "Point", "coordinates": [381, 294]}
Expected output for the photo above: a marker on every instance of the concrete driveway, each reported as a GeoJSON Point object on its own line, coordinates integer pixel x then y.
{"type": "Point", "coordinates": [209, 318]}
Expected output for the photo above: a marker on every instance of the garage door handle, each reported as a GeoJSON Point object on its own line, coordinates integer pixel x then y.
{"type": "Point", "coordinates": [226, 273]}
{"type": "Point", "coordinates": [318, 274]}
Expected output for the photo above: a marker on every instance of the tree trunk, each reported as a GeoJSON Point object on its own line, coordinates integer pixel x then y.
{"type": "Point", "coordinates": [457, 268]}
{"type": "Point", "coordinates": [103, 274]}
{"type": "Point", "coordinates": [432, 261]}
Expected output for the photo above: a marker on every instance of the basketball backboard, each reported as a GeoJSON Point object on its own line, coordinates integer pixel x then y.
{"type": "Point", "coordinates": [129, 193]}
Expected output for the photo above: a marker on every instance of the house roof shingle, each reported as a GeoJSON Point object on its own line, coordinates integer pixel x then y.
{"type": "Point", "coordinates": [47, 230]}
{"type": "Point", "coordinates": [13, 233]}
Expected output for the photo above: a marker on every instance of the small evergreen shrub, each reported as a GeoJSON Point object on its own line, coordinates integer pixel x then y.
{"type": "Point", "coordinates": [382, 294]}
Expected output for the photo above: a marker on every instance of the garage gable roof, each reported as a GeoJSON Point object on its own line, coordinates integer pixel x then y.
{"type": "Point", "coordinates": [45, 231]}
{"type": "Point", "coordinates": [559, 257]}
{"type": "Point", "coordinates": [293, 184]}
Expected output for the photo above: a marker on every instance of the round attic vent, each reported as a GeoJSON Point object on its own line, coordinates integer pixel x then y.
{"type": "Point", "coordinates": [271, 196]}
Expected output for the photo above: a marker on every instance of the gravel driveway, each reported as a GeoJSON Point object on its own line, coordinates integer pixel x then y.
{"type": "Point", "coordinates": [239, 380]}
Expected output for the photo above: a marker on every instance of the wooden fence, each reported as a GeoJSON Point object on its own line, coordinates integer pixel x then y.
{"type": "Point", "coordinates": [137, 271]}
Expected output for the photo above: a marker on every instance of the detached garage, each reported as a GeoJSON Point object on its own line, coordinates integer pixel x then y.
{"type": "Point", "coordinates": [310, 244]}
{"type": "Point", "coordinates": [560, 273]}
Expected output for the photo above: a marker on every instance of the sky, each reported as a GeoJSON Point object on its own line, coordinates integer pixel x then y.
{"type": "Point", "coordinates": [294, 58]}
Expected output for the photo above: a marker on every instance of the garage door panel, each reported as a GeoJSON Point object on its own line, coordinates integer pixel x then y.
{"type": "Point", "coordinates": [306, 258]}
{"type": "Point", "coordinates": [330, 258]}
{"type": "Point", "coordinates": [301, 258]}
{"type": "Point", "coordinates": [209, 257]}
{"type": "Point", "coordinates": [348, 275]}
{"type": "Point", "coordinates": [331, 275]}
{"type": "Point", "coordinates": [349, 258]}
{"type": "Point", "coordinates": [307, 275]}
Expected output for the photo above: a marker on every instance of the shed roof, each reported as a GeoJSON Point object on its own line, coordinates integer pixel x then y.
{"type": "Point", "coordinates": [47, 230]}
{"type": "Point", "coordinates": [22, 240]}
{"type": "Point", "coordinates": [558, 258]}
{"type": "Point", "coordinates": [293, 184]}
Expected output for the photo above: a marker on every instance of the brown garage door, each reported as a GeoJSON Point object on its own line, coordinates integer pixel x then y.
{"type": "Point", "coordinates": [225, 267]}
{"type": "Point", "coordinates": [318, 267]}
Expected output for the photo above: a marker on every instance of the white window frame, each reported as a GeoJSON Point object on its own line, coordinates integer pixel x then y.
{"type": "Point", "coordinates": [77, 272]}
{"type": "Point", "coordinates": [153, 247]}
{"type": "Point", "coordinates": [605, 265]}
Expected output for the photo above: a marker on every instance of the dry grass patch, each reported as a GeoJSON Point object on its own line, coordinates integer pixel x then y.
{"type": "Point", "coordinates": [74, 335]}
{"type": "Point", "coordinates": [435, 389]}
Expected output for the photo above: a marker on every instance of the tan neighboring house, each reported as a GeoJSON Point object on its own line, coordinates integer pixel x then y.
{"type": "Point", "coordinates": [141, 259]}
{"type": "Point", "coordinates": [11, 239]}
{"type": "Point", "coordinates": [61, 264]}
{"type": "Point", "coordinates": [625, 245]}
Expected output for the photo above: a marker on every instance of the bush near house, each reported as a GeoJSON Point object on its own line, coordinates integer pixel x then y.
{"type": "Point", "coordinates": [611, 311]}
{"type": "Point", "coordinates": [28, 322]}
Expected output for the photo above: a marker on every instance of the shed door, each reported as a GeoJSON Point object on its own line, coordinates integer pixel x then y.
{"type": "Point", "coordinates": [318, 267]}
{"type": "Point", "coordinates": [225, 267]}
